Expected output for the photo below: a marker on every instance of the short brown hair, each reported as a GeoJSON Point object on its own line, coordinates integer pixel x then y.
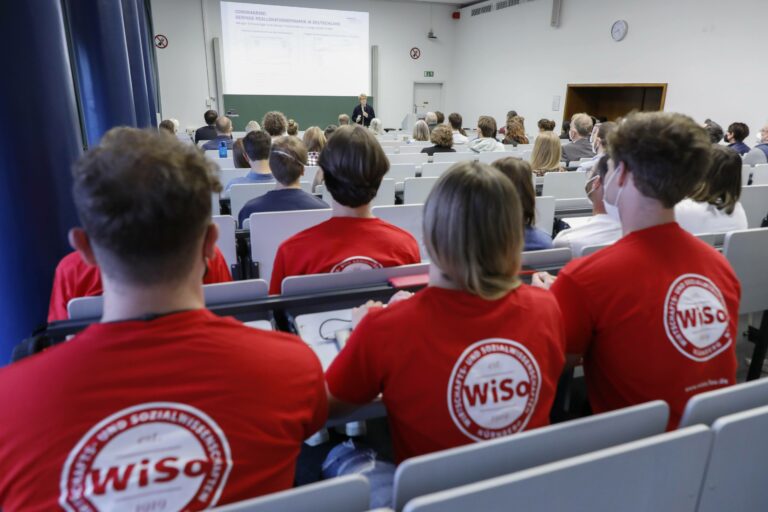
{"type": "Point", "coordinates": [167, 125]}
{"type": "Point", "coordinates": [353, 165]}
{"type": "Point", "coordinates": [287, 159]}
{"type": "Point", "coordinates": [144, 200]}
{"type": "Point", "coordinates": [487, 126]}
{"type": "Point", "coordinates": [721, 185]}
{"type": "Point", "coordinates": [293, 127]}
{"type": "Point", "coordinates": [546, 125]}
{"type": "Point", "coordinates": [473, 229]}
{"type": "Point", "coordinates": [274, 123]}
{"type": "Point", "coordinates": [520, 173]}
{"type": "Point", "coordinates": [442, 135]}
{"type": "Point", "coordinates": [666, 154]}
{"type": "Point", "coordinates": [314, 139]}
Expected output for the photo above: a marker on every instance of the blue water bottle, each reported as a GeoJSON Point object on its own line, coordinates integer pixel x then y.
{"type": "Point", "coordinates": [222, 149]}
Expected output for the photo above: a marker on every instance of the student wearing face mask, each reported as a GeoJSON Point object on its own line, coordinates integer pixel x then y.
{"type": "Point", "coordinates": [654, 315]}
{"type": "Point", "coordinates": [735, 136]}
{"type": "Point", "coordinates": [601, 228]}
{"type": "Point", "coordinates": [599, 141]}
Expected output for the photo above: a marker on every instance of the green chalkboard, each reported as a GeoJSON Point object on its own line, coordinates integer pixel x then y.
{"type": "Point", "coordinates": [306, 110]}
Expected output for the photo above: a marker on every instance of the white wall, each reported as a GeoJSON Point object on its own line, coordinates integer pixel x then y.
{"type": "Point", "coordinates": [395, 27]}
{"type": "Point", "coordinates": [710, 52]}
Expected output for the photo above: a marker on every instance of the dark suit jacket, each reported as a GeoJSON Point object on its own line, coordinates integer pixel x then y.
{"type": "Point", "coordinates": [582, 148]}
{"type": "Point", "coordinates": [205, 133]}
{"type": "Point", "coordinates": [359, 112]}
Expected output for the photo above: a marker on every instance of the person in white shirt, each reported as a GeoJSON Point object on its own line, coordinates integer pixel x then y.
{"type": "Point", "coordinates": [599, 144]}
{"type": "Point", "coordinates": [486, 141]}
{"type": "Point", "coordinates": [600, 229]}
{"type": "Point", "coordinates": [714, 206]}
{"type": "Point", "coordinates": [459, 135]}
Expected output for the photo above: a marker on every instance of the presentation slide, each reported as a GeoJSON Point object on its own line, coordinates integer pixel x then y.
{"type": "Point", "coordinates": [294, 51]}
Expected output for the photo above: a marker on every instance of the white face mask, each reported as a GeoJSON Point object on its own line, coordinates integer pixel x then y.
{"type": "Point", "coordinates": [612, 209]}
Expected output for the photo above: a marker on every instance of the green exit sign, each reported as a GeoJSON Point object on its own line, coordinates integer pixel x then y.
{"type": "Point", "coordinates": [429, 74]}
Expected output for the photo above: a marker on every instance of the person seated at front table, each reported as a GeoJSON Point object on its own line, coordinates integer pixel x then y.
{"type": "Point", "coordinates": [714, 206]}
{"type": "Point", "coordinates": [442, 138]}
{"type": "Point", "coordinates": [655, 314]}
{"type": "Point", "coordinates": [223, 134]}
{"type": "Point", "coordinates": [286, 159]}
{"type": "Point", "coordinates": [353, 165]}
{"type": "Point", "coordinates": [476, 334]}
{"type": "Point", "coordinates": [161, 397]}
{"type": "Point", "coordinates": [601, 228]}
{"type": "Point", "coordinates": [256, 147]}
{"type": "Point", "coordinates": [519, 172]}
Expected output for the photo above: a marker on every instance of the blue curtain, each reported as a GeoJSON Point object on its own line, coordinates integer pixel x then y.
{"type": "Point", "coordinates": [133, 38]}
{"type": "Point", "coordinates": [100, 50]}
{"type": "Point", "coordinates": [41, 138]}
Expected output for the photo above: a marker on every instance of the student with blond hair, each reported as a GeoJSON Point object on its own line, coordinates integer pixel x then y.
{"type": "Point", "coordinates": [475, 339]}
{"type": "Point", "coordinates": [546, 154]}
{"type": "Point", "coordinates": [420, 131]}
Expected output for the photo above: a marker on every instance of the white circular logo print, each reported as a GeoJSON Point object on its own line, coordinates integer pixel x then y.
{"type": "Point", "coordinates": [356, 263]}
{"type": "Point", "coordinates": [153, 456]}
{"type": "Point", "coordinates": [494, 388]}
{"type": "Point", "coordinates": [696, 317]}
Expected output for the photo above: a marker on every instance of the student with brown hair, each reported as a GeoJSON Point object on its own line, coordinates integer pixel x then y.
{"type": "Point", "coordinates": [714, 205]}
{"type": "Point", "coordinates": [292, 128]}
{"type": "Point", "coordinates": [238, 155]}
{"type": "Point", "coordinates": [287, 158]}
{"type": "Point", "coordinates": [161, 396]}
{"type": "Point", "coordinates": [486, 136]}
{"type": "Point", "coordinates": [659, 294]}
{"type": "Point", "coordinates": [353, 165]}
{"type": "Point", "coordinates": [515, 132]}
{"type": "Point", "coordinates": [274, 123]}
{"type": "Point", "coordinates": [546, 125]}
{"type": "Point", "coordinates": [519, 172]}
{"type": "Point", "coordinates": [476, 335]}
{"type": "Point", "coordinates": [459, 135]}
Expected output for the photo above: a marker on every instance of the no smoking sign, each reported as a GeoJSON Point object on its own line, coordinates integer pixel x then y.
{"type": "Point", "coordinates": [415, 53]}
{"type": "Point", "coordinates": [161, 41]}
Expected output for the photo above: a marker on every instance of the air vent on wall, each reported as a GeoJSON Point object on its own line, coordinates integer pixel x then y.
{"type": "Point", "coordinates": [482, 10]}
{"type": "Point", "coordinates": [501, 4]}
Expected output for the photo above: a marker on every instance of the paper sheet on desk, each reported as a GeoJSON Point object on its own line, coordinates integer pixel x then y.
{"type": "Point", "coordinates": [309, 325]}
{"type": "Point", "coordinates": [260, 324]}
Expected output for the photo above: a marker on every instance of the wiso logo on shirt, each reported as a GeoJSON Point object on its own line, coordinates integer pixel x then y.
{"type": "Point", "coordinates": [355, 263]}
{"type": "Point", "coordinates": [154, 456]}
{"type": "Point", "coordinates": [493, 389]}
{"type": "Point", "coordinates": [696, 317]}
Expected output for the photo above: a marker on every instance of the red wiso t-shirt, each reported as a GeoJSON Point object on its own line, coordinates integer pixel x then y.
{"type": "Point", "coordinates": [182, 412]}
{"type": "Point", "coordinates": [75, 278]}
{"type": "Point", "coordinates": [454, 368]}
{"type": "Point", "coordinates": [655, 317]}
{"type": "Point", "coordinates": [343, 244]}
